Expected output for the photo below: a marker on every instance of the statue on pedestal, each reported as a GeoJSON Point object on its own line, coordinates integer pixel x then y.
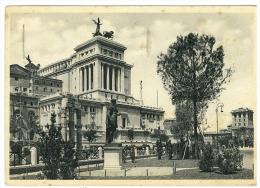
{"type": "Point", "coordinates": [111, 121]}
{"type": "Point", "coordinates": [98, 24]}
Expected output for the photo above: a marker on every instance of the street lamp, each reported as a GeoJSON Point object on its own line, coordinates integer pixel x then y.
{"type": "Point", "coordinates": [219, 105]}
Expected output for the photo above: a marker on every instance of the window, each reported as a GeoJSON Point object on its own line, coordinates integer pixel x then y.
{"type": "Point", "coordinates": [110, 53]}
{"type": "Point", "coordinates": [116, 55]}
{"type": "Point", "coordinates": [51, 84]}
{"type": "Point", "coordinates": [105, 52]}
{"type": "Point", "coordinates": [58, 85]}
{"type": "Point", "coordinates": [92, 109]}
{"type": "Point", "coordinates": [91, 51]}
{"type": "Point", "coordinates": [36, 81]}
{"type": "Point", "coordinates": [44, 89]}
{"type": "Point", "coordinates": [31, 103]}
{"type": "Point", "coordinates": [119, 56]}
{"type": "Point", "coordinates": [123, 122]}
{"type": "Point", "coordinates": [16, 89]}
{"type": "Point", "coordinates": [25, 103]}
{"type": "Point", "coordinates": [36, 88]}
{"type": "Point", "coordinates": [51, 90]}
{"type": "Point", "coordinates": [16, 78]}
{"type": "Point", "coordinates": [25, 89]}
{"type": "Point", "coordinates": [125, 98]}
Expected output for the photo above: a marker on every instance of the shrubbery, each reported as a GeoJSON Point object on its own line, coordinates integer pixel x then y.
{"type": "Point", "coordinates": [207, 160]}
{"type": "Point", "coordinates": [229, 160]}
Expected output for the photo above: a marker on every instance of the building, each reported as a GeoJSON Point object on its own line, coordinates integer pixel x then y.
{"type": "Point", "coordinates": [168, 125]}
{"type": "Point", "coordinates": [211, 137]}
{"type": "Point", "coordinates": [25, 98]}
{"type": "Point", "coordinates": [242, 125]}
{"type": "Point", "coordinates": [94, 74]}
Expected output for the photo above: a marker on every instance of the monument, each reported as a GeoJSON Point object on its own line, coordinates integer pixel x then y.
{"type": "Point", "coordinates": [112, 150]}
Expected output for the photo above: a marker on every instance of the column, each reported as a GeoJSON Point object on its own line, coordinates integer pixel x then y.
{"type": "Point", "coordinates": [83, 79]}
{"type": "Point", "coordinates": [122, 80]}
{"type": "Point", "coordinates": [33, 151]}
{"type": "Point", "coordinates": [119, 80]}
{"type": "Point", "coordinates": [80, 80]}
{"type": "Point", "coordinates": [86, 79]}
{"type": "Point", "coordinates": [100, 152]}
{"type": "Point", "coordinates": [71, 124]}
{"type": "Point", "coordinates": [101, 76]}
{"type": "Point", "coordinates": [79, 129]}
{"type": "Point", "coordinates": [104, 116]}
{"type": "Point", "coordinates": [113, 78]}
{"type": "Point", "coordinates": [91, 77]}
{"type": "Point", "coordinates": [147, 151]}
{"type": "Point", "coordinates": [135, 149]}
{"type": "Point", "coordinates": [63, 124]}
{"type": "Point", "coordinates": [108, 72]}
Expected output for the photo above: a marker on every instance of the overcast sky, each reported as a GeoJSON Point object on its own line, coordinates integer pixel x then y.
{"type": "Point", "coordinates": [51, 37]}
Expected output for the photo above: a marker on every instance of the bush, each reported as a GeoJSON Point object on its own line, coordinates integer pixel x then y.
{"type": "Point", "coordinates": [229, 160]}
{"type": "Point", "coordinates": [206, 162]}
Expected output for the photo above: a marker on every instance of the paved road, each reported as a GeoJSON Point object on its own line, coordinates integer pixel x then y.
{"type": "Point", "coordinates": [248, 159]}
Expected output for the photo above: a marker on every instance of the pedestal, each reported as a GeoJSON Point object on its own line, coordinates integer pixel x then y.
{"type": "Point", "coordinates": [113, 157]}
{"type": "Point", "coordinates": [33, 156]}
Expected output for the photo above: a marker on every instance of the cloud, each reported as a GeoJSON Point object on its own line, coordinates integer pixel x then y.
{"type": "Point", "coordinates": [53, 37]}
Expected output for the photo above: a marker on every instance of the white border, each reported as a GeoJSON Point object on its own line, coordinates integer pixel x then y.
{"type": "Point", "coordinates": [4, 3]}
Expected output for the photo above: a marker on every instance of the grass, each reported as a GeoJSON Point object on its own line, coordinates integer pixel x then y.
{"type": "Point", "coordinates": [164, 162]}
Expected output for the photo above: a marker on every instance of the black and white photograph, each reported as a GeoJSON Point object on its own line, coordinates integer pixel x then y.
{"type": "Point", "coordinates": [130, 94]}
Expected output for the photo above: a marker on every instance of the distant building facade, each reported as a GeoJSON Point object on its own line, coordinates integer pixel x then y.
{"type": "Point", "coordinates": [242, 125]}
{"type": "Point", "coordinates": [168, 125]}
{"type": "Point", "coordinates": [24, 99]}
{"type": "Point", "coordinates": [211, 137]}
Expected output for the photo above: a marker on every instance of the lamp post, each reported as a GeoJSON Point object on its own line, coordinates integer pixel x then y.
{"type": "Point", "coordinates": [219, 105]}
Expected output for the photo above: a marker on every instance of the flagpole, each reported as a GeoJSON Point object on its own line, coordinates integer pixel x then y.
{"type": "Point", "coordinates": [23, 44]}
{"type": "Point", "coordinates": [157, 97]}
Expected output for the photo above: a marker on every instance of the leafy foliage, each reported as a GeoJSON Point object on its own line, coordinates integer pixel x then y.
{"type": "Point", "coordinates": [57, 155]}
{"type": "Point", "coordinates": [90, 135]}
{"type": "Point", "coordinates": [130, 134]}
{"type": "Point", "coordinates": [225, 140]}
{"type": "Point", "coordinates": [159, 135]}
{"type": "Point", "coordinates": [230, 160]}
{"type": "Point", "coordinates": [207, 160]}
{"type": "Point", "coordinates": [184, 122]}
{"type": "Point", "coordinates": [192, 70]}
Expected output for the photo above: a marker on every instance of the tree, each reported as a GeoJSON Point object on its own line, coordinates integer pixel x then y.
{"type": "Point", "coordinates": [161, 136]}
{"type": "Point", "coordinates": [184, 122]}
{"type": "Point", "coordinates": [192, 70]}
{"type": "Point", "coordinates": [90, 135]}
{"type": "Point", "coordinates": [130, 134]}
{"type": "Point", "coordinates": [57, 155]}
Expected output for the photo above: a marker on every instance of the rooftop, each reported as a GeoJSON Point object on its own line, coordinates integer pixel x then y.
{"type": "Point", "coordinates": [241, 110]}
{"type": "Point", "coordinates": [101, 40]}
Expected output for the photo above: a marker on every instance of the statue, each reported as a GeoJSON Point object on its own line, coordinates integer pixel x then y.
{"type": "Point", "coordinates": [98, 24]}
{"type": "Point", "coordinates": [111, 121]}
{"type": "Point", "coordinates": [108, 34]}
{"type": "Point", "coordinates": [28, 59]}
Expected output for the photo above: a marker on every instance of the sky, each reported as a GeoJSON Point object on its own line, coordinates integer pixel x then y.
{"type": "Point", "coordinates": [50, 37]}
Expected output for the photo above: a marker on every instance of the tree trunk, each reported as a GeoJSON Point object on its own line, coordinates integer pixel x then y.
{"type": "Point", "coordinates": [195, 128]}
